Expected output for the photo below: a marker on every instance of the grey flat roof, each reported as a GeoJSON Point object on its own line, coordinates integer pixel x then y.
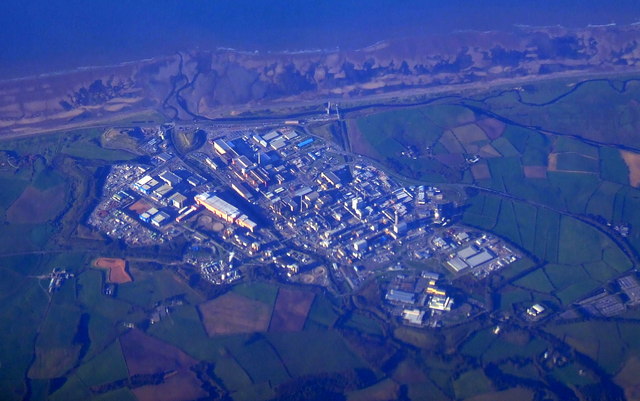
{"type": "Point", "coordinates": [467, 252]}
{"type": "Point", "coordinates": [457, 264]}
{"type": "Point", "coordinates": [400, 296]}
{"type": "Point", "coordinates": [483, 257]}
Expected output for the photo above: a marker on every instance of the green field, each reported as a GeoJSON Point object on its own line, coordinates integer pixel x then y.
{"type": "Point", "coordinates": [324, 352]}
{"type": "Point", "coordinates": [608, 343]}
{"type": "Point", "coordinates": [105, 367]}
{"type": "Point", "coordinates": [472, 383]}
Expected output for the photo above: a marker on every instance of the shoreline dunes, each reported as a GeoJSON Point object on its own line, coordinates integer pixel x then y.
{"type": "Point", "coordinates": [234, 84]}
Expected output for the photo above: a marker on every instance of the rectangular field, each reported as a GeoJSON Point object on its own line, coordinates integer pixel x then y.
{"type": "Point", "coordinates": [232, 313]}
{"type": "Point", "coordinates": [291, 309]}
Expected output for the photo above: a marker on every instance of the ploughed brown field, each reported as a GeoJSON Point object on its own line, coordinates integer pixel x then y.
{"type": "Point", "coordinates": [291, 309]}
{"type": "Point", "coordinates": [117, 269]}
{"type": "Point", "coordinates": [146, 355]}
{"type": "Point", "coordinates": [183, 385]}
{"type": "Point", "coordinates": [232, 313]}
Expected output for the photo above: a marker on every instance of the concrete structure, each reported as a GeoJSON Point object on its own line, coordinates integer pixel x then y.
{"type": "Point", "coordinates": [224, 210]}
{"type": "Point", "coordinates": [457, 264]}
{"type": "Point", "coordinates": [629, 285]}
{"type": "Point", "coordinates": [271, 136]}
{"type": "Point", "coordinates": [177, 200]}
{"type": "Point", "coordinates": [440, 303]}
{"type": "Point", "coordinates": [170, 178]}
{"type": "Point", "coordinates": [400, 296]}
{"type": "Point", "coordinates": [413, 316]}
{"type": "Point", "coordinates": [146, 184]}
{"type": "Point", "coordinates": [331, 178]}
{"type": "Point", "coordinates": [305, 143]}
{"type": "Point", "coordinates": [242, 190]}
{"type": "Point", "coordinates": [221, 146]}
{"type": "Point", "coordinates": [536, 310]}
{"type": "Point", "coordinates": [159, 219]}
{"type": "Point", "coordinates": [162, 191]}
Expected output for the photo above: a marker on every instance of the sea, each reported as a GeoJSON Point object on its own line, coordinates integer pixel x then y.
{"type": "Point", "coordinates": [51, 36]}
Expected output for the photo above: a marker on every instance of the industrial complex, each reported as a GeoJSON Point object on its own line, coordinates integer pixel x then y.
{"type": "Point", "coordinates": [279, 196]}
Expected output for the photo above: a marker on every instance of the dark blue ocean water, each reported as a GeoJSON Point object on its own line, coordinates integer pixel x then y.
{"type": "Point", "coordinates": [38, 36]}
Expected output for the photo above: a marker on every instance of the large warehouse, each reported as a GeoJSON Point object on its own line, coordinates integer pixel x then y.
{"type": "Point", "coordinates": [224, 210]}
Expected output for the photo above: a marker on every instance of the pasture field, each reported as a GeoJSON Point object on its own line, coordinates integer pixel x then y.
{"type": "Point", "coordinates": [232, 313]}
{"type": "Point", "coordinates": [362, 323]}
{"type": "Point", "coordinates": [610, 344]}
{"type": "Point", "coordinates": [106, 367]}
{"type": "Point", "coordinates": [150, 287]}
{"type": "Point", "coordinates": [613, 167]}
{"type": "Point", "coordinates": [233, 376]}
{"type": "Point", "coordinates": [25, 311]}
{"type": "Point", "coordinates": [325, 351]}
{"type": "Point", "coordinates": [56, 350]}
{"type": "Point", "coordinates": [263, 292]}
{"type": "Point", "coordinates": [536, 281]}
{"type": "Point", "coordinates": [576, 162]}
{"type": "Point", "coordinates": [582, 112]}
{"type": "Point", "coordinates": [12, 188]}
{"type": "Point", "coordinates": [478, 343]}
{"type": "Point", "coordinates": [92, 150]}
{"type": "Point", "coordinates": [565, 144]}
{"type": "Point", "coordinates": [322, 313]}
{"type": "Point", "coordinates": [554, 239]}
{"type": "Point", "coordinates": [512, 345]}
{"type": "Point", "coordinates": [72, 390]}
{"type": "Point", "coordinates": [472, 383]}
{"type": "Point", "coordinates": [184, 329]}
{"type": "Point", "coordinates": [261, 361]}
{"type": "Point", "coordinates": [602, 200]}
{"type": "Point", "coordinates": [505, 147]}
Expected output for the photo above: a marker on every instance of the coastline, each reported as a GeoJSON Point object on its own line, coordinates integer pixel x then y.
{"type": "Point", "coordinates": [522, 28]}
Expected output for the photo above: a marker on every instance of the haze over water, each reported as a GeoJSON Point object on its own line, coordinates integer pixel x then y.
{"type": "Point", "coordinates": [43, 36]}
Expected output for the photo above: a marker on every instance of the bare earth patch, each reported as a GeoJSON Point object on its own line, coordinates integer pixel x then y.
{"type": "Point", "coordinates": [232, 313]}
{"type": "Point", "coordinates": [627, 378]}
{"type": "Point", "coordinates": [140, 206]}
{"type": "Point", "coordinates": [117, 269]}
{"type": "Point", "coordinates": [291, 309]}
{"type": "Point", "coordinates": [535, 171]}
{"type": "Point", "coordinates": [552, 162]}
{"type": "Point", "coordinates": [489, 151]}
{"type": "Point", "coordinates": [148, 355]}
{"type": "Point", "coordinates": [469, 133]}
{"type": "Point", "coordinates": [633, 162]}
{"type": "Point", "coordinates": [492, 127]}
{"type": "Point", "coordinates": [36, 206]}
{"type": "Point", "coordinates": [181, 386]}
